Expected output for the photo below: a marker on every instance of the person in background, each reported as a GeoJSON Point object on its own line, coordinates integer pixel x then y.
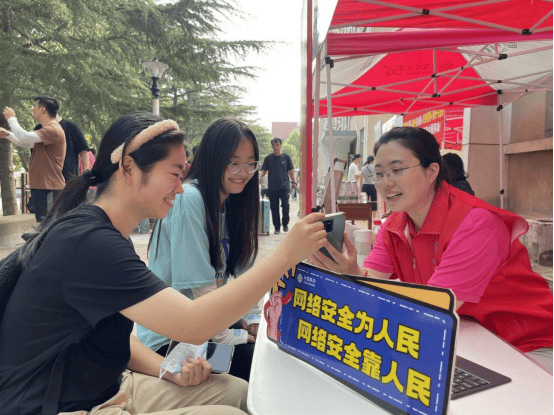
{"type": "Point", "coordinates": [77, 150]}
{"type": "Point", "coordinates": [353, 171]}
{"type": "Point", "coordinates": [454, 167]}
{"type": "Point", "coordinates": [279, 168]}
{"type": "Point", "coordinates": [441, 236]}
{"type": "Point", "coordinates": [187, 166]}
{"type": "Point", "coordinates": [368, 186]}
{"type": "Point", "coordinates": [65, 334]}
{"type": "Point", "coordinates": [91, 157]}
{"type": "Point", "coordinates": [211, 233]}
{"type": "Point", "coordinates": [263, 187]}
{"type": "Point", "coordinates": [295, 190]}
{"type": "Point", "coordinates": [47, 158]}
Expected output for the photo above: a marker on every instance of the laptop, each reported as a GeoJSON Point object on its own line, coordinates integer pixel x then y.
{"type": "Point", "coordinates": [469, 378]}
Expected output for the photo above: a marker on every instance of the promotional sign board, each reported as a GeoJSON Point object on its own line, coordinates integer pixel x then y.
{"type": "Point", "coordinates": [392, 342]}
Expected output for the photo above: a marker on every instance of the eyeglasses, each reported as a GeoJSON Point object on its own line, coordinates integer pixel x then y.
{"type": "Point", "coordinates": [392, 174]}
{"type": "Point", "coordinates": [235, 168]}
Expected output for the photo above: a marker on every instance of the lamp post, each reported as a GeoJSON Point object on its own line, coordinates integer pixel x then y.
{"type": "Point", "coordinates": [156, 69]}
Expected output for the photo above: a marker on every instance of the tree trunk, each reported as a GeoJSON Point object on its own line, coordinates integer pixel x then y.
{"type": "Point", "coordinates": [9, 201]}
{"type": "Point", "coordinates": [7, 182]}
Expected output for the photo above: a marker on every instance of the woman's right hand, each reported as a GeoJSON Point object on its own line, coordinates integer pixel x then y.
{"type": "Point", "coordinates": [193, 372]}
{"type": "Point", "coordinates": [303, 239]}
{"type": "Point", "coordinates": [343, 263]}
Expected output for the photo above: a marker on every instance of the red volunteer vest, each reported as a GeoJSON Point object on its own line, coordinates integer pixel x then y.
{"type": "Point", "coordinates": [517, 303]}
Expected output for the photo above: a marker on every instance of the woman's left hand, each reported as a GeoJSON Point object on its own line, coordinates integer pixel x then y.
{"type": "Point", "coordinates": [252, 329]}
{"type": "Point", "coordinates": [344, 263]}
{"type": "Point", "coordinates": [193, 373]}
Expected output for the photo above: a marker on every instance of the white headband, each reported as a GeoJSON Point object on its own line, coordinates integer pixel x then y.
{"type": "Point", "coordinates": [145, 135]}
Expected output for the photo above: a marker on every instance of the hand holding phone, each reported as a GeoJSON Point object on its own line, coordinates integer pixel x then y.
{"type": "Point", "coordinates": [334, 225]}
{"type": "Point", "coordinates": [218, 355]}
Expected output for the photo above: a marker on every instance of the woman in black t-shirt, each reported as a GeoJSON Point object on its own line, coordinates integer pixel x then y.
{"type": "Point", "coordinates": [66, 329]}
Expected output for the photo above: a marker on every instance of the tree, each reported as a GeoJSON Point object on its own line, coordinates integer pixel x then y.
{"type": "Point", "coordinates": [292, 147]}
{"type": "Point", "coordinates": [263, 136]}
{"type": "Point", "coordinates": [9, 202]}
{"type": "Point", "coordinates": [88, 54]}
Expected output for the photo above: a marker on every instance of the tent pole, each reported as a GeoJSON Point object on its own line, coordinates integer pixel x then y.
{"type": "Point", "coordinates": [315, 153]}
{"type": "Point", "coordinates": [435, 90]}
{"type": "Point", "coordinates": [330, 130]}
{"type": "Point", "coordinates": [307, 99]}
{"type": "Point", "coordinates": [501, 139]}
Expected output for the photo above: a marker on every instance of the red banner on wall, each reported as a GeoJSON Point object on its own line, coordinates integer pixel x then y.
{"type": "Point", "coordinates": [445, 125]}
{"type": "Point", "coordinates": [432, 121]}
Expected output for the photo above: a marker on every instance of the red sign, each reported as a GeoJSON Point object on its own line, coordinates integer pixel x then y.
{"type": "Point", "coordinates": [445, 125]}
{"type": "Point", "coordinates": [432, 121]}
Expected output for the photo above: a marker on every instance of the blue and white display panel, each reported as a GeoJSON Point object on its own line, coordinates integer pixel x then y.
{"type": "Point", "coordinates": [394, 350]}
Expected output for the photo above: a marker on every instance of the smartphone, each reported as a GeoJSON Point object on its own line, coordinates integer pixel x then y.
{"type": "Point", "coordinates": [218, 355]}
{"type": "Point", "coordinates": [334, 225]}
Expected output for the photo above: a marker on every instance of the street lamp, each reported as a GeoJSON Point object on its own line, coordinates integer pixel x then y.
{"type": "Point", "coordinates": [156, 69]}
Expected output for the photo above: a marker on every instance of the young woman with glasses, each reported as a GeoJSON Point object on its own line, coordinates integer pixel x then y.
{"type": "Point", "coordinates": [439, 235]}
{"type": "Point", "coordinates": [65, 332]}
{"type": "Point", "coordinates": [212, 232]}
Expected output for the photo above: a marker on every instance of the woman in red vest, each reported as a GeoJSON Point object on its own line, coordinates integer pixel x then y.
{"type": "Point", "coordinates": [439, 235]}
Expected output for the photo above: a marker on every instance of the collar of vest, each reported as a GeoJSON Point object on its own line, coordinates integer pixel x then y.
{"type": "Point", "coordinates": [446, 196]}
{"type": "Point", "coordinates": [434, 220]}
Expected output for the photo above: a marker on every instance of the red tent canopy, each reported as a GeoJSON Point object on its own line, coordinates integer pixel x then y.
{"type": "Point", "coordinates": [359, 44]}
{"type": "Point", "coordinates": [450, 54]}
{"type": "Point", "coordinates": [427, 69]}
{"type": "Point", "coordinates": [510, 15]}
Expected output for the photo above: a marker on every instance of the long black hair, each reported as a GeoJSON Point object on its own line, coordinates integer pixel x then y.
{"type": "Point", "coordinates": [421, 143]}
{"type": "Point", "coordinates": [120, 132]}
{"type": "Point", "coordinates": [369, 160]}
{"type": "Point", "coordinates": [208, 167]}
{"type": "Point", "coordinates": [454, 167]}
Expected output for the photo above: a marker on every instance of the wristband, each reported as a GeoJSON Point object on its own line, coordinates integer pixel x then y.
{"type": "Point", "coordinates": [366, 274]}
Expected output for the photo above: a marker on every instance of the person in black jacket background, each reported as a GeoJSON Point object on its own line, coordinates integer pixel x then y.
{"type": "Point", "coordinates": [455, 172]}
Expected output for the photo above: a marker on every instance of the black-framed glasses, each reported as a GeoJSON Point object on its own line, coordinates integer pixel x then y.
{"type": "Point", "coordinates": [235, 168]}
{"type": "Point", "coordinates": [393, 173]}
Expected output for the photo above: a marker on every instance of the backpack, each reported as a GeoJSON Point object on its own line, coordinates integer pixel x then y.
{"type": "Point", "coordinates": [11, 268]}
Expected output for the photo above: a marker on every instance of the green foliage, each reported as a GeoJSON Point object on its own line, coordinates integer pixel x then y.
{"type": "Point", "coordinates": [88, 54]}
{"type": "Point", "coordinates": [263, 136]}
{"type": "Point", "coordinates": [21, 158]}
{"type": "Point", "coordinates": [292, 148]}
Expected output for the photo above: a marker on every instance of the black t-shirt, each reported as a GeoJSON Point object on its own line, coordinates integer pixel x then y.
{"type": "Point", "coordinates": [75, 143]}
{"type": "Point", "coordinates": [70, 295]}
{"type": "Point", "coordinates": [278, 171]}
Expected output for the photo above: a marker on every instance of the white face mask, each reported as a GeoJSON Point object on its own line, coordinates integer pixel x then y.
{"type": "Point", "coordinates": [173, 361]}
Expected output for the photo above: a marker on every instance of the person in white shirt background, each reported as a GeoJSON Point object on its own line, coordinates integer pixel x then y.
{"type": "Point", "coordinates": [354, 174]}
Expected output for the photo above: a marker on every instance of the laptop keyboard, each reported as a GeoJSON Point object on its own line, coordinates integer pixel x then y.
{"type": "Point", "coordinates": [465, 380]}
